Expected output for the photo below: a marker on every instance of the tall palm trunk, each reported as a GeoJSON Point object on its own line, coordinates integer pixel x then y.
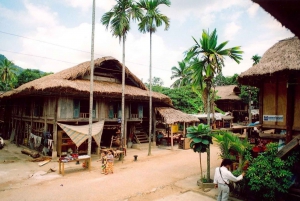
{"type": "Point", "coordinates": [208, 85]}
{"type": "Point", "coordinates": [150, 95]}
{"type": "Point", "coordinates": [123, 95]}
{"type": "Point", "coordinates": [91, 83]}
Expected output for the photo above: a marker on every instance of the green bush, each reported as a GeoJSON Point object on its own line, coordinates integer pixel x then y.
{"type": "Point", "coordinates": [269, 176]}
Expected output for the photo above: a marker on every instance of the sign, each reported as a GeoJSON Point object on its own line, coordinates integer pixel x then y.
{"type": "Point", "coordinates": [273, 118]}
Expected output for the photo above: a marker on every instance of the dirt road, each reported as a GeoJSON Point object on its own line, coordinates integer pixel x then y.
{"type": "Point", "coordinates": [165, 175]}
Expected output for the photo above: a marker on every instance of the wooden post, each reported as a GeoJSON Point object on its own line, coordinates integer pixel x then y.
{"type": "Point", "coordinates": [54, 145]}
{"type": "Point", "coordinates": [154, 127]}
{"type": "Point", "coordinates": [172, 137]}
{"type": "Point", "coordinates": [290, 110]}
{"type": "Point", "coordinates": [261, 104]}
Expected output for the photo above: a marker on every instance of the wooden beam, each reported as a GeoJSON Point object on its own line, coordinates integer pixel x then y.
{"type": "Point", "coordinates": [292, 144]}
{"type": "Point", "coordinates": [272, 136]}
{"type": "Point", "coordinates": [290, 109]}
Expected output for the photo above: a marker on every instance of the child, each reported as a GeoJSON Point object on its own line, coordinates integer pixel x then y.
{"type": "Point", "coordinates": [104, 162]}
{"type": "Point", "coordinates": [110, 163]}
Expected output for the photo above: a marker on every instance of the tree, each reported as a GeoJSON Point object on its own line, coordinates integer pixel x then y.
{"type": "Point", "coordinates": [7, 73]}
{"type": "Point", "coordinates": [201, 138]}
{"type": "Point", "coordinates": [119, 20]}
{"type": "Point", "coordinates": [149, 23]}
{"type": "Point", "coordinates": [210, 63]}
{"type": "Point", "coordinates": [255, 59]}
{"type": "Point", "coordinates": [29, 75]}
{"type": "Point", "coordinates": [182, 74]}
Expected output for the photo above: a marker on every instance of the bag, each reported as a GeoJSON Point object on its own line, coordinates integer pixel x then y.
{"type": "Point", "coordinates": [231, 186]}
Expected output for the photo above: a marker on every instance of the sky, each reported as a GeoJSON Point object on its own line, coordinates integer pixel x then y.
{"type": "Point", "coordinates": [53, 35]}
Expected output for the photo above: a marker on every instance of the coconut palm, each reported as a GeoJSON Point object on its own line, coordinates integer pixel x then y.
{"type": "Point", "coordinates": [211, 61]}
{"type": "Point", "coordinates": [119, 20]}
{"type": "Point", "coordinates": [7, 72]}
{"type": "Point", "coordinates": [149, 23]}
{"type": "Point", "coordinates": [182, 74]}
{"type": "Point", "coordinates": [255, 59]}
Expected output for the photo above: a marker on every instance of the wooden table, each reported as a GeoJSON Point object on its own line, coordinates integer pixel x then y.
{"type": "Point", "coordinates": [117, 153]}
{"type": "Point", "coordinates": [86, 159]}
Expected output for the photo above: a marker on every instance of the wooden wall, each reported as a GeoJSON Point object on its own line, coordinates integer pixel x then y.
{"type": "Point", "coordinates": [296, 124]}
{"type": "Point", "coordinates": [65, 108]}
{"type": "Point", "coordinates": [274, 101]}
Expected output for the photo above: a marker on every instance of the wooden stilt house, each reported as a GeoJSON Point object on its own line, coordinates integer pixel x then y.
{"type": "Point", "coordinates": [277, 76]}
{"type": "Point", "coordinates": [58, 105]}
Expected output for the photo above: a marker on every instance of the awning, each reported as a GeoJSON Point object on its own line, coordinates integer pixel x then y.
{"type": "Point", "coordinates": [79, 134]}
{"type": "Point", "coordinates": [171, 116]}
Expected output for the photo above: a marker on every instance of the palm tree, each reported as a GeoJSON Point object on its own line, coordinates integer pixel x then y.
{"type": "Point", "coordinates": [7, 72]}
{"type": "Point", "coordinates": [150, 21]}
{"type": "Point", "coordinates": [211, 61]}
{"type": "Point", "coordinates": [182, 73]}
{"type": "Point", "coordinates": [255, 59]}
{"type": "Point", "coordinates": [119, 20]}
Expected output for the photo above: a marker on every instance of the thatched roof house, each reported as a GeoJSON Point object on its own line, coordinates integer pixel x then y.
{"type": "Point", "coordinates": [282, 58]}
{"type": "Point", "coordinates": [75, 81]}
{"type": "Point", "coordinates": [277, 77]}
{"type": "Point", "coordinates": [285, 11]}
{"type": "Point", "coordinates": [229, 101]}
{"type": "Point", "coordinates": [229, 92]}
{"type": "Point", "coordinates": [59, 104]}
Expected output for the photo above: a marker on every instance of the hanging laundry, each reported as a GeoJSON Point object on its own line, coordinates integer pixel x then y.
{"type": "Point", "coordinates": [38, 141]}
{"type": "Point", "coordinates": [50, 144]}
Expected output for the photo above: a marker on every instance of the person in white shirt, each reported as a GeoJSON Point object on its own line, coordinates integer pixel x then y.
{"type": "Point", "coordinates": [222, 178]}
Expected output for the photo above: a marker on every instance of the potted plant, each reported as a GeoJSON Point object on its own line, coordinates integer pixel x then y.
{"type": "Point", "coordinates": [200, 140]}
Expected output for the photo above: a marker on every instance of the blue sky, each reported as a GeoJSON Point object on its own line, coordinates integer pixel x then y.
{"type": "Point", "coordinates": [67, 24]}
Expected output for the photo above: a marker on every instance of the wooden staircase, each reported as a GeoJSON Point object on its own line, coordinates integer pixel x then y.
{"type": "Point", "coordinates": [139, 135]}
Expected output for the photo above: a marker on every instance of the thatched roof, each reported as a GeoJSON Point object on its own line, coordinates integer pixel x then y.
{"type": "Point", "coordinates": [171, 115]}
{"type": "Point", "coordinates": [285, 11]}
{"type": "Point", "coordinates": [229, 92]}
{"type": "Point", "coordinates": [70, 82]}
{"type": "Point", "coordinates": [284, 56]}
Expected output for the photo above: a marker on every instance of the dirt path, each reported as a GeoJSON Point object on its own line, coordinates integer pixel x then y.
{"type": "Point", "coordinates": [150, 178]}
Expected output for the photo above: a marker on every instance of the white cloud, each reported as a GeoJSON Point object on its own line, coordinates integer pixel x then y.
{"type": "Point", "coordinates": [40, 15]}
{"type": "Point", "coordinates": [231, 29]}
{"type": "Point", "coordinates": [86, 5]}
{"type": "Point", "coordinates": [253, 10]}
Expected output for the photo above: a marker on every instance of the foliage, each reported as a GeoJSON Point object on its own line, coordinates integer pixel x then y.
{"type": "Point", "coordinates": [269, 175]}
{"type": "Point", "coordinates": [7, 74]}
{"type": "Point", "coordinates": [200, 140]}
{"type": "Point", "coordinates": [255, 59]}
{"type": "Point", "coordinates": [254, 95]}
{"type": "Point", "coordinates": [119, 17]}
{"type": "Point", "coordinates": [228, 142]}
{"type": "Point", "coordinates": [208, 59]}
{"type": "Point", "coordinates": [221, 80]}
{"type": "Point", "coordinates": [183, 98]}
{"type": "Point", "coordinates": [29, 75]}
{"type": "Point", "coordinates": [201, 137]}
{"type": "Point", "coordinates": [182, 73]}
{"type": "Point", "coordinates": [153, 18]}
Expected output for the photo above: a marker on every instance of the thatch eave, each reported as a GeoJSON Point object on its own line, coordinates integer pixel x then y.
{"type": "Point", "coordinates": [282, 59]}
{"type": "Point", "coordinates": [171, 115]}
{"type": "Point", "coordinates": [285, 11]}
{"type": "Point", "coordinates": [81, 88]}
